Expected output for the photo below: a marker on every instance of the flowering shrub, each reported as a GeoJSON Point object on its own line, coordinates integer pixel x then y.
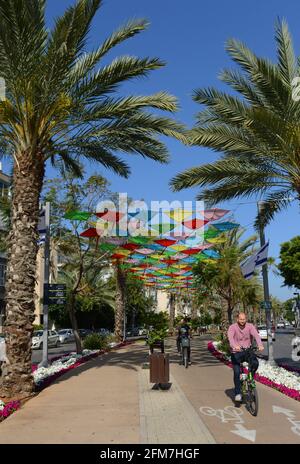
{"type": "Point", "coordinates": [43, 376]}
{"type": "Point", "coordinates": [8, 408]}
{"type": "Point", "coordinates": [275, 377]}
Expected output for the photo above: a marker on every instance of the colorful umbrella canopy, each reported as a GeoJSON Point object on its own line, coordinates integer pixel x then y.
{"type": "Point", "coordinates": [164, 259]}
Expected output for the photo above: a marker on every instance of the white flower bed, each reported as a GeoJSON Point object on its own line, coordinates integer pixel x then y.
{"type": "Point", "coordinates": [1, 405]}
{"type": "Point", "coordinates": [279, 375]}
{"type": "Point", "coordinates": [43, 372]}
{"type": "Point", "coordinates": [276, 374]}
{"type": "Point", "coordinates": [112, 344]}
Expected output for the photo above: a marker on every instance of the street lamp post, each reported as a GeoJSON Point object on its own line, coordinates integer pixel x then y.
{"type": "Point", "coordinates": [44, 362]}
{"type": "Point", "coordinates": [297, 308]}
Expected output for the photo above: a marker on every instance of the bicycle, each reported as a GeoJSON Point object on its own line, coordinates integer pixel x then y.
{"type": "Point", "coordinates": [248, 385]}
{"type": "Point", "coordinates": [184, 348]}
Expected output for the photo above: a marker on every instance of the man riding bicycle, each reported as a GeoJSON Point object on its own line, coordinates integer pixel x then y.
{"type": "Point", "coordinates": [184, 330]}
{"type": "Point", "coordinates": [240, 335]}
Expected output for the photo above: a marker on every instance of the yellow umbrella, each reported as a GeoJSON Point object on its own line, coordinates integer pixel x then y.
{"type": "Point", "coordinates": [179, 215]}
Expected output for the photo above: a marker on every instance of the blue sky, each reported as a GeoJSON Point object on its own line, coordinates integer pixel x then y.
{"type": "Point", "coordinates": [190, 36]}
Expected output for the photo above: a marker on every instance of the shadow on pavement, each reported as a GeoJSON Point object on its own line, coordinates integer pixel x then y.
{"type": "Point", "coordinates": [230, 394]}
{"type": "Point", "coordinates": [200, 356]}
{"type": "Point", "coordinates": [132, 359]}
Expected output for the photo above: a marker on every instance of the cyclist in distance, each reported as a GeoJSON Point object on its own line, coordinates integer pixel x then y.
{"type": "Point", "coordinates": [184, 330]}
{"type": "Point", "coordinates": [241, 335]}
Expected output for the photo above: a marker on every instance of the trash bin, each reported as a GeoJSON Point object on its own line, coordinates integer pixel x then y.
{"type": "Point", "coordinates": [159, 368]}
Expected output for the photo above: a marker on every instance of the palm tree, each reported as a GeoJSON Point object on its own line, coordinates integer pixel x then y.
{"type": "Point", "coordinates": [224, 277]}
{"type": "Point", "coordinates": [257, 131]}
{"type": "Point", "coordinates": [60, 107]}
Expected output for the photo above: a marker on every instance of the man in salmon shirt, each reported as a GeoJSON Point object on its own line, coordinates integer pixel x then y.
{"type": "Point", "coordinates": [240, 335]}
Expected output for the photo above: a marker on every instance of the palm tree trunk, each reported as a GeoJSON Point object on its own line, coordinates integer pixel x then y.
{"type": "Point", "coordinates": [20, 283]}
{"type": "Point", "coordinates": [274, 318]}
{"type": "Point", "coordinates": [120, 303]}
{"type": "Point", "coordinates": [74, 323]}
{"type": "Point", "coordinates": [229, 312]}
{"type": "Point", "coordinates": [224, 318]}
{"type": "Point", "coordinates": [254, 315]}
{"type": "Point", "coordinates": [194, 309]}
{"type": "Point", "coordinates": [172, 312]}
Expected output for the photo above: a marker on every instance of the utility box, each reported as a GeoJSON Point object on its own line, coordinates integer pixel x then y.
{"type": "Point", "coordinates": [159, 368]}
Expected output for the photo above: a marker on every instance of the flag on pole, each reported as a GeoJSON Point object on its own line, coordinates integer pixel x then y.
{"type": "Point", "coordinates": [256, 260]}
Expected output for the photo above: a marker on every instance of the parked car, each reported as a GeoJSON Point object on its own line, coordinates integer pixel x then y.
{"type": "Point", "coordinates": [263, 333]}
{"type": "Point", "coordinates": [103, 331]}
{"type": "Point", "coordinates": [281, 325]}
{"type": "Point", "coordinates": [66, 336]}
{"type": "Point", "coordinates": [142, 331]}
{"type": "Point", "coordinates": [289, 326]}
{"type": "Point", "coordinates": [83, 333]}
{"type": "Point", "coordinates": [135, 332]}
{"type": "Point", "coordinates": [37, 339]}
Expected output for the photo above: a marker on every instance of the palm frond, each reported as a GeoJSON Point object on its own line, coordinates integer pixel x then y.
{"type": "Point", "coordinates": [272, 203]}
{"type": "Point", "coordinates": [257, 132]}
{"type": "Point", "coordinates": [285, 52]}
{"type": "Point", "coordinates": [94, 152]}
{"type": "Point", "coordinates": [108, 78]}
{"type": "Point", "coordinates": [87, 61]}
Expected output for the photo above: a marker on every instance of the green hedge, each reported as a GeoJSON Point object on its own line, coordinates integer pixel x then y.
{"type": "Point", "coordinates": [95, 342]}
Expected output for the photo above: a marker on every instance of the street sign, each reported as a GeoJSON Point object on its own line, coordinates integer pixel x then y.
{"type": "Point", "coordinates": [55, 287]}
{"type": "Point", "coordinates": [54, 294]}
{"type": "Point", "coordinates": [266, 305]}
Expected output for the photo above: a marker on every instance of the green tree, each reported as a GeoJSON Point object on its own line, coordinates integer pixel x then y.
{"type": "Point", "coordinates": [277, 309]}
{"type": "Point", "coordinates": [288, 312]}
{"type": "Point", "coordinates": [137, 302]}
{"type": "Point", "coordinates": [256, 130]}
{"type": "Point", "coordinates": [224, 277]}
{"type": "Point", "coordinates": [83, 264]}
{"type": "Point", "coordinates": [289, 266]}
{"type": "Point", "coordinates": [61, 107]}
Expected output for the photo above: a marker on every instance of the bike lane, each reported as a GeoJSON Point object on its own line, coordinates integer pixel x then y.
{"type": "Point", "coordinates": [208, 385]}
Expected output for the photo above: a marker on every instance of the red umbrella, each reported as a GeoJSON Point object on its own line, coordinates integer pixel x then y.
{"type": "Point", "coordinates": [91, 232]}
{"type": "Point", "coordinates": [165, 242]}
{"type": "Point", "coordinates": [130, 246]}
{"type": "Point", "coordinates": [195, 223]}
{"type": "Point", "coordinates": [111, 216]}
{"type": "Point", "coordinates": [191, 251]}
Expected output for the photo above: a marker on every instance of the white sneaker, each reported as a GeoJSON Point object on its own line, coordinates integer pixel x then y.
{"type": "Point", "coordinates": [238, 398]}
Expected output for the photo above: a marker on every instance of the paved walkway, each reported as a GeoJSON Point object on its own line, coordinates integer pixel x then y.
{"type": "Point", "coordinates": [110, 400]}
{"type": "Point", "coordinates": [168, 417]}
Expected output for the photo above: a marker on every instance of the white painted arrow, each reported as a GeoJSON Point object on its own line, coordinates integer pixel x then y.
{"type": "Point", "coordinates": [286, 412]}
{"type": "Point", "coordinates": [245, 433]}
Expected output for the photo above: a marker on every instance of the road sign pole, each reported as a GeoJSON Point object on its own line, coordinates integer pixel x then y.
{"type": "Point", "coordinates": [266, 292]}
{"type": "Point", "coordinates": [45, 362]}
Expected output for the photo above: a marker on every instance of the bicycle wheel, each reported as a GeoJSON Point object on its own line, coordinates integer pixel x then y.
{"type": "Point", "coordinates": [185, 357]}
{"type": "Point", "coordinates": [252, 400]}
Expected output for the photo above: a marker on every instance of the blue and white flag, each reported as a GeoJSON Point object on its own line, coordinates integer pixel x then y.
{"type": "Point", "coordinates": [256, 260]}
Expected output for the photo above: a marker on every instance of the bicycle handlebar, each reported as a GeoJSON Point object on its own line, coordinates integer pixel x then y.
{"type": "Point", "coordinates": [251, 348]}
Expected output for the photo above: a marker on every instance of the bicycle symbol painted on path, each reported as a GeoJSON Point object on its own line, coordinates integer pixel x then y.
{"type": "Point", "coordinates": [229, 413]}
